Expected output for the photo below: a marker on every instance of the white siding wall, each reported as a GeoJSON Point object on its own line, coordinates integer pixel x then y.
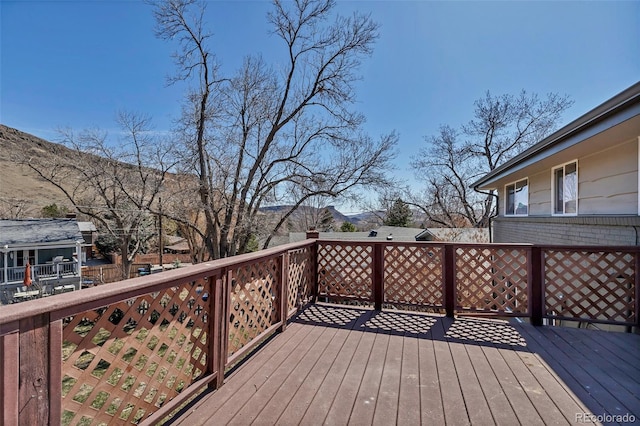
{"type": "Point", "coordinates": [540, 194]}
{"type": "Point", "coordinates": [608, 181]}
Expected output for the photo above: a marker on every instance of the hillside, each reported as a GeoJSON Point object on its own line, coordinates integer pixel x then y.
{"type": "Point", "coordinates": [22, 192]}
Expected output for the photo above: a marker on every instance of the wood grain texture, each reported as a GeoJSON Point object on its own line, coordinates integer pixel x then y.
{"type": "Point", "coordinates": [340, 365]}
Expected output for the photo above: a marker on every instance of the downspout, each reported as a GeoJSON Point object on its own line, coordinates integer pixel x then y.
{"type": "Point", "coordinates": [492, 216]}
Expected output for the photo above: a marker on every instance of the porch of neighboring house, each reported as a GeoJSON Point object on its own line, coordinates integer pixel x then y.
{"type": "Point", "coordinates": [54, 276]}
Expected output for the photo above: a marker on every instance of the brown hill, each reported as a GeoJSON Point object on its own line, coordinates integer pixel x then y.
{"type": "Point", "coordinates": [22, 192]}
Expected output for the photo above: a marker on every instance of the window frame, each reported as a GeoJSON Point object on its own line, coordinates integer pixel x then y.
{"type": "Point", "coordinates": [554, 190]}
{"type": "Point", "coordinates": [506, 197]}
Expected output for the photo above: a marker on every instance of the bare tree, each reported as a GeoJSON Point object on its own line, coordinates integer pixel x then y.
{"type": "Point", "coordinates": [115, 183]}
{"type": "Point", "coordinates": [13, 208]}
{"type": "Point", "coordinates": [502, 127]}
{"type": "Point", "coordinates": [258, 135]}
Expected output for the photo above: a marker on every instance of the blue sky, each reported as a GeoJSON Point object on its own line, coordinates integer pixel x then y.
{"type": "Point", "coordinates": [75, 63]}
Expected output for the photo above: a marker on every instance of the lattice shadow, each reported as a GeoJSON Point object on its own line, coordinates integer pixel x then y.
{"type": "Point", "coordinates": [496, 333]}
{"type": "Point", "coordinates": [328, 316]}
{"type": "Point", "coordinates": [399, 324]}
{"type": "Point", "coordinates": [485, 332]}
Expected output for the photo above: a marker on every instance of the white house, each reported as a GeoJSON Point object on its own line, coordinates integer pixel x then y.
{"type": "Point", "coordinates": [577, 186]}
{"type": "Point", "coordinates": [50, 246]}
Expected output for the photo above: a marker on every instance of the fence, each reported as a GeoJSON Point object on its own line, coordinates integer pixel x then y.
{"type": "Point", "coordinates": [132, 351]}
{"type": "Point", "coordinates": [592, 284]}
{"type": "Point", "coordinates": [135, 350]}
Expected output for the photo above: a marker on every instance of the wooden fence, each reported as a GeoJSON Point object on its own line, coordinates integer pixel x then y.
{"type": "Point", "coordinates": [133, 351]}
{"type": "Point", "coordinates": [586, 283]}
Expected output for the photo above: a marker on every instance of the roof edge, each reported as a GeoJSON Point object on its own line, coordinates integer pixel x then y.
{"type": "Point", "coordinates": [619, 102]}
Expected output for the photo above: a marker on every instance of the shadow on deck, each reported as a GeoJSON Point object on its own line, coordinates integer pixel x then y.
{"type": "Point", "coordinates": [343, 365]}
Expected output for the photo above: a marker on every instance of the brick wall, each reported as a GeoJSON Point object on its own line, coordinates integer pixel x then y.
{"type": "Point", "coordinates": [596, 230]}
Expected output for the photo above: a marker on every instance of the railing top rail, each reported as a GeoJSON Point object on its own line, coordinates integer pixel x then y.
{"type": "Point", "coordinates": [585, 247]}
{"type": "Point", "coordinates": [79, 301]}
{"type": "Point", "coordinates": [594, 248]}
{"type": "Point", "coordinates": [428, 243]}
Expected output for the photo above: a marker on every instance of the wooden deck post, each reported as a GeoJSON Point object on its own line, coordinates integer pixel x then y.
{"type": "Point", "coordinates": [313, 234]}
{"type": "Point", "coordinates": [215, 330]}
{"type": "Point", "coordinates": [449, 275]}
{"type": "Point", "coordinates": [637, 284]}
{"type": "Point", "coordinates": [35, 381]}
{"type": "Point", "coordinates": [220, 320]}
{"type": "Point", "coordinates": [378, 276]}
{"type": "Point", "coordinates": [535, 272]}
{"type": "Point", "coordinates": [284, 290]}
{"type": "Point", "coordinates": [9, 366]}
{"type": "Point", "coordinates": [55, 370]}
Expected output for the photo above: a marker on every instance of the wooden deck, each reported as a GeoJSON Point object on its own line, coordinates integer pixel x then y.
{"type": "Point", "coordinates": [336, 365]}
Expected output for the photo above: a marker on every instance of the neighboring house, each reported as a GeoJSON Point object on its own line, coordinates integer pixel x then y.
{"type": "Point", "coordinates": [577, 186]}
{"type": "Point", "coordinates": [89, 234]}
{"type": "Point", "coordinates": [50, 246]}
{"type": "Point", "coordinates": [396, 233]}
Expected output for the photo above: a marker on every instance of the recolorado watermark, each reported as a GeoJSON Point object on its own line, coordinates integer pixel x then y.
{"type": "Point", "coordinates": [605, 418]}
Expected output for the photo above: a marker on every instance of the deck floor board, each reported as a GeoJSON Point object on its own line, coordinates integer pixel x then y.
{"type": "Point", "coordinates": [345, 365]}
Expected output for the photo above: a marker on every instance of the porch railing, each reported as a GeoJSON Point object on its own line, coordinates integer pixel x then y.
{"type": "Point", "coordinates": [15, 274]}
{"type": "Point", "coordinates": [135, 350]}
{"type": "Point", "coordinates": [580, 283]}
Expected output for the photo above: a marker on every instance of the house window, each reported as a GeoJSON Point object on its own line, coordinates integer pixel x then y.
{"type": "Point", "coordinates": [517, 196]}
{"type": "Point", "coordinates": [565, 187]}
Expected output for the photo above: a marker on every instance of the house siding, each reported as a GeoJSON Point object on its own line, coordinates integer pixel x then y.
{"type": "Point", "coordinates": [608, 181]}
{"type": "Point", "coordinates": [611, 230]}
{"type": "Point", "coordinates": [607, 184]}
{"type": "Point", "coordinates": [540, 194]}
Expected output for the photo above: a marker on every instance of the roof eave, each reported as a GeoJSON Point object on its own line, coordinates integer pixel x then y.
{"type": "Point", "coordinates": [622, 101]}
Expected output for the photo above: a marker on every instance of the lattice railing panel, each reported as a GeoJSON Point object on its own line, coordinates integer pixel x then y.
{"type": "Point", "coordinates": [590, 285]}
{"type": "Point", "coordinates": [300, 277]}
{"type": "Point", "coordinates": [254, 306]}
{"type": "Point", "coordinates": [122, 362]}
{"type": "Point", "coordinates": [345, 270]}
{"type": "Point", "coordinates": [413, 275]}
{"type": "Point", "coordinates": [491, 279]}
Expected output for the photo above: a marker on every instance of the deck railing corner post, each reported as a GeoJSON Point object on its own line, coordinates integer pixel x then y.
{"type": "Point", "coordinates": [536, 274]}
{"type": "Point", "coordinates": [448, 272]}
{"type": "Point", "coordinates": [378, 276]}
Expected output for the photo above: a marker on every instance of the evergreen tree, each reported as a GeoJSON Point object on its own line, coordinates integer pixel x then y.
{"type": "Point", "coordinates": [398, 214]}
{"type": "Point", "coordinates": [348, 227]}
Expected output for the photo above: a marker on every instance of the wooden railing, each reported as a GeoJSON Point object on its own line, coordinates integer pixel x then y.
{"type": "Point", "coordinates": [133, 351]}
{"type": "Point", "coordinates": [592, 284]}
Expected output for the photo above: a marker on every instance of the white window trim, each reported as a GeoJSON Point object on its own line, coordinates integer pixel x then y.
{"type": "Point", "coordinates": [553, 188]}
{"type": "Point", "coordinates": [506, 198]}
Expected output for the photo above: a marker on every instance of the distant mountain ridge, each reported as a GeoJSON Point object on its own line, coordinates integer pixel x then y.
{"type": "Point", "coordinates": [359, 220]}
